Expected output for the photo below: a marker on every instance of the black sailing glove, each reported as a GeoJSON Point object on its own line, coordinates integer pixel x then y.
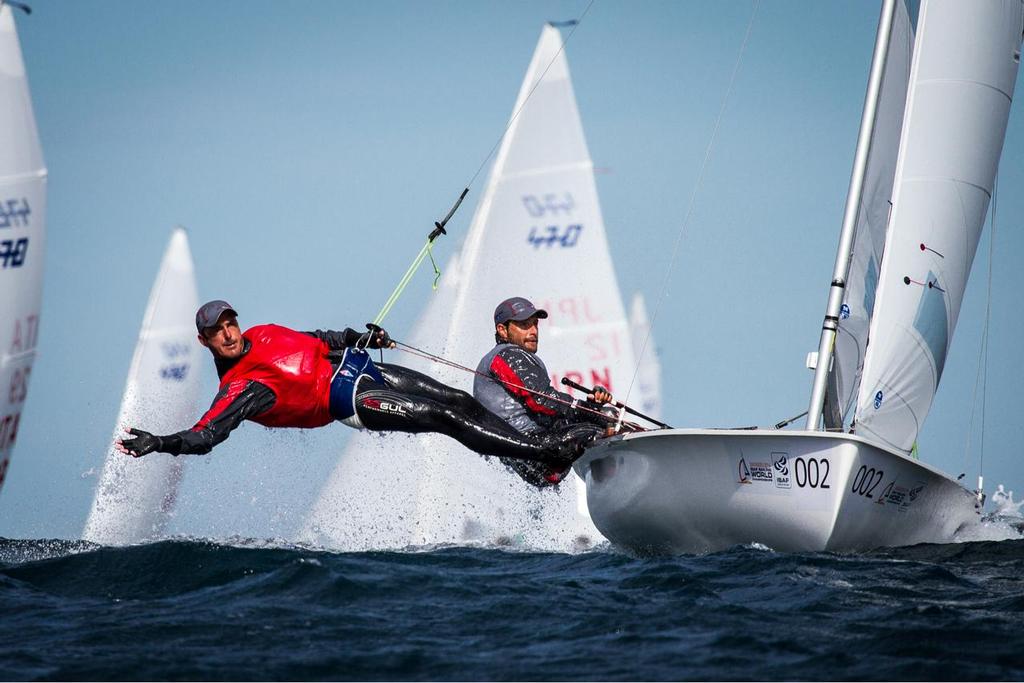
{"type": "Point", "coordinates": [141, 443]}
{"type": "Point", "coordinates": [376, 338]}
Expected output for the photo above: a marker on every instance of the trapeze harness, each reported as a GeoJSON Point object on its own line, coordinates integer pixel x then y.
{"type": "Point", "coordinates": [355, 365]}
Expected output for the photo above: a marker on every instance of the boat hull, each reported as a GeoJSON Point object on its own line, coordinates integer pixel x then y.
{"type": "Point", "coordinates": [695, 491]}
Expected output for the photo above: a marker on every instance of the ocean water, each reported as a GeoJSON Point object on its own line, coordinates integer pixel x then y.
{"type": "Point", "coordinates": [190, 609]}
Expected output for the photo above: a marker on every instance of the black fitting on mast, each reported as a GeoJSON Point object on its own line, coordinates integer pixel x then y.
{"type": "Point", "coordinates": [439, 225]}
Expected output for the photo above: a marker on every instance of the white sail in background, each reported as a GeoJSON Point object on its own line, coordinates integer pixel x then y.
{"type": "Point", "coordinates": [22, 235]}
{"type": "Point", "coordinates": [962, 81]}
{"type": "Point", "coordinates": [537, 233]}
{"type": "Point", "coordinates": [135, 496]}
{"type": "Point", "coordinates": [872, 220]}
{"type": "Point", "coordinates": [646, 394]}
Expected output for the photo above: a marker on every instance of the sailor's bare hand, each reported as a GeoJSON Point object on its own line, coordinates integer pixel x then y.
{"type": "Point", "coordinates": [600, 395]}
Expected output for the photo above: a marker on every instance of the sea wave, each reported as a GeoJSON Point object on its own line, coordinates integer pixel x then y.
{"type": "Point", "coordinates": [267, 609]}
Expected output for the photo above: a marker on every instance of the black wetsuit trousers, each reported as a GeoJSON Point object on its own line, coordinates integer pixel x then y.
{"type": "Point", "coordinates": [410, 401]}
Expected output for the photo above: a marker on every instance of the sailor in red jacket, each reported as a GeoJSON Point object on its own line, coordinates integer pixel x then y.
{"type": "Point", "coordinates": [278, 377]}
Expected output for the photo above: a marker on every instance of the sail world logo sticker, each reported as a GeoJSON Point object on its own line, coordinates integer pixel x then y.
{"type": "Point", "coordinates": [878, 400]}
{"type": "Point", "coordinates": [761, 471]}
{"type": "Point", "coordinates": [780, 463]}
{"type": "Point", "coordinates": [844, 311]}
{"type": "Point", "coordinates": [744, 472]}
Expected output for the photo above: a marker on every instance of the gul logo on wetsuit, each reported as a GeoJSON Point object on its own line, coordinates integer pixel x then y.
{"type": "Point", "coordinates": [387, 407]}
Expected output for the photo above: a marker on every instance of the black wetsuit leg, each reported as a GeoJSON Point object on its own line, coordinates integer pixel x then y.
{"type": "Point", "coordinates": [414, 383]}
{"type": "Point", "coordinates": [415, 403]}
{"type": "Point", "coordinates": [417, 384]}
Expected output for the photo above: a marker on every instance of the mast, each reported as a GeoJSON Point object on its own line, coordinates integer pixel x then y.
{"type": "Point", "coordinates": [826, 344]}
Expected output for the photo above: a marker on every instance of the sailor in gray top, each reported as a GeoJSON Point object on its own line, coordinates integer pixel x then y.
{"type": "Point", "coordinates": [513, 383]}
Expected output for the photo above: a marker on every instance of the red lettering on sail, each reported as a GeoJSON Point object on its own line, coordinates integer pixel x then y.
{"type": "Point", "coordinates": [604, 378]}
{"type": "Point", "coordinates": [26, 333]}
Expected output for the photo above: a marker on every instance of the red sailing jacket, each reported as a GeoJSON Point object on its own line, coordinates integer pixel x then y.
{"type": "Point", "coordinates": [295, 367]}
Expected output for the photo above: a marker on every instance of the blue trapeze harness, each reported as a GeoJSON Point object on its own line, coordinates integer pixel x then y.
{"type": "Point", "coordinates": [355, 365]}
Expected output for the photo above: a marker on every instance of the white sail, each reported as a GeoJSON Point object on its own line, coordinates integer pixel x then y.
{"type": "Point", "coordinates": [135, 497]}
{"type": "Point", "coordinates": [872, 220]}
{"type": "Point", "coordinates": [22, 235]}
{"type": "Point", "coordinates": [538, 233]}
{"type": "Point", "coordinates": [646, 393]}
{"type": "Point", "coordinates": [962, 80]}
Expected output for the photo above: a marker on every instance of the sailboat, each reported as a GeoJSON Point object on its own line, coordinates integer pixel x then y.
{"type": "Point", "coordinates": [22, 235]}
{"type": "Point", "coordinates": [537, 233]}
{"type": "Point", "coordinates": [932, 132]}
{"type": "Point", "coordinates": [135, 496]}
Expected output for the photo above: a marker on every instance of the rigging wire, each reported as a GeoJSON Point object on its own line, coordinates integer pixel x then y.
{"type": "Point", "coordinates": [693, 196]}
{"type": "Point", "coordinates": [426, 251]}
{"type": "Point", "coordinates": [981, 378]}
{"type": "Point", "coordinates": [511, 385]}
{"type": "Point", "coordinates": [575, 25]}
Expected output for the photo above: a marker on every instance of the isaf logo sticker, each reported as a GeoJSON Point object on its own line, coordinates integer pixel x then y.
{"type": "Point", "coordinates": [780, 464]}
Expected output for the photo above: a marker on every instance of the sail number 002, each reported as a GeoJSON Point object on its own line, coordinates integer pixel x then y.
{"type": "Point", "coordinates": [811, 473]}
{"type": "Point", "coordinates": [865, 481]}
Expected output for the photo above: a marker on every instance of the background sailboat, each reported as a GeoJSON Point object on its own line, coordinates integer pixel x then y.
{"type": "Point", "coordinates": [134, 497]}
{"type": "Point", "coordinates": [22, 236]}
{"type": "Point", "coordinates": [538, 233]}
{"type": "Point", "coordinates": [647, 386]}
{"type": "Point", "coordinates": [695, 490]}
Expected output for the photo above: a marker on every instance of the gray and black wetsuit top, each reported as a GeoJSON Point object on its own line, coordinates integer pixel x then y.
{"type": "Point", "coordinates": [514, 384]}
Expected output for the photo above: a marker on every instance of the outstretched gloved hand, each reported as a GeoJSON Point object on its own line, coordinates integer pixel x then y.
{"type": "Point", "coordinates": [140, 444]}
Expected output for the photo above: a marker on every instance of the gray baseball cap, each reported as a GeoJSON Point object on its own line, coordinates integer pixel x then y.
{"type": "Point", "coordinates": [517, 308]}
{"type": "Point", "coordinates": [210, 312]}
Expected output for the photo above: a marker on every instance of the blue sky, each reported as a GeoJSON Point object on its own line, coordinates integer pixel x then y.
{"type": "Point", "coordinates": [309, 147]}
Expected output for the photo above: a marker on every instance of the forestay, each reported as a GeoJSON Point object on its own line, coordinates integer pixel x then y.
{"type": "Point", "coordinates": [646, 391]}
{"type": "Point", "coordinates": [872, 220]}
{"type": "Point", "coordinates": [135, 496]}
{"type": "Point", "coordinates": [538, 233]}
{"type": "Point", "coordinates": [962, 80]}
{"type": "Point", "coordinates": [22, 235]}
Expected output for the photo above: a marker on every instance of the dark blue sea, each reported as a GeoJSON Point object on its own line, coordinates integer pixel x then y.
{"type": "Point", "coordinates": [193, 609]}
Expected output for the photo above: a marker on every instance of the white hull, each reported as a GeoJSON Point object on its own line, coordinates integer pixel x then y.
{"type": "Point", "coordinates": [700, 490]}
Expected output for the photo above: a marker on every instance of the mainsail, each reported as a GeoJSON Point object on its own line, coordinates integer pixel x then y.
{"type": "Point", "coordinates": [538, 233]}
{"type": "Point", "coordinates": [964, 69]}
{"type": "Point", "coordinates": [872, 220]}
{"type": "Point", "coordinates": [22, 235]}
{"type": "Point", "coordinates": [135, 497]}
